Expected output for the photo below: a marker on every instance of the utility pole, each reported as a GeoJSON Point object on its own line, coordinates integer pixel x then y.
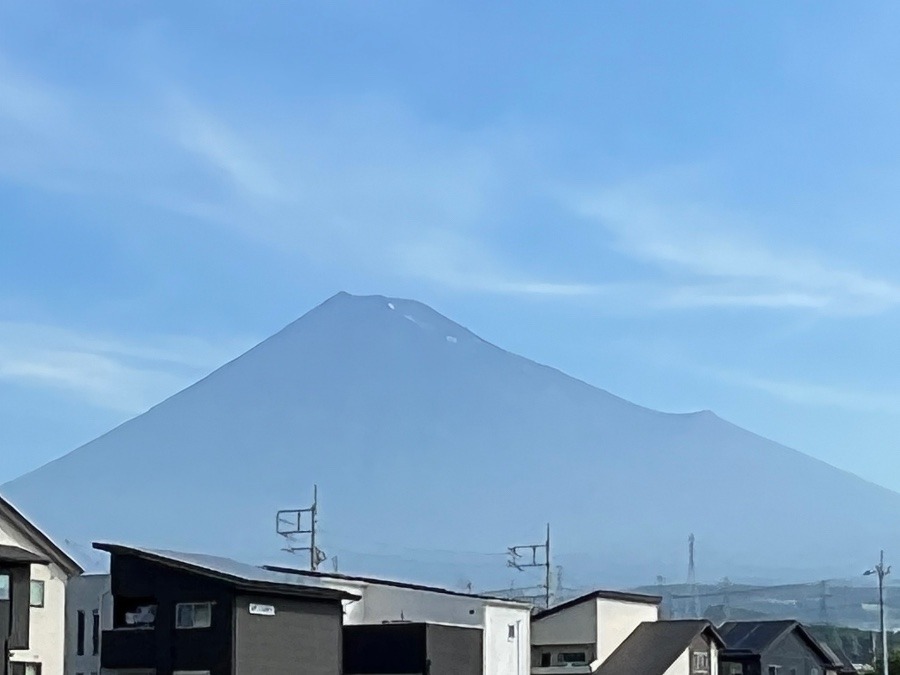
{"type": "Point", "coordinates": [289, 524]}
{"type": "Point", "coordinates": [516, 553]}
{"type": "Point", "coordinates": [882, 572]}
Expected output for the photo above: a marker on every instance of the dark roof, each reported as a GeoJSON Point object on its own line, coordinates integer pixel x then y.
{"type": "Point", "coordinates": [239, 575]}
{"type": "Point", "coordinates": [600, 595]}
{"type": "Point", "coordinates": [15, 554]}
{"type": "Point", "coordinates": [655, 645]}
{"type": "Point", "coordinates": [40, 540]}
{"type": "Point", "coordinates": [388, 582]}
{"type": "Point", "coordinates": [839, 657]}
{"type": "Point", "coordinates": [755, 637]}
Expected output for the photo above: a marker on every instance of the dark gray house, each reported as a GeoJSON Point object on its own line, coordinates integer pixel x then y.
{"type": "Point", "coordinates": [773, 648]}
{"type": "Point", "coordinates": [179, 613]}
{"type": "Point", "coordinates": [687, 647]}
{"type": "Point", "coordinates": [412, 649]}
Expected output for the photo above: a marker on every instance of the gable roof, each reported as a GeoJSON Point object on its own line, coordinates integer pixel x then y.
{"type": "Point", "coordinates": [755, 637]}
{"type": "Point", "coordinates": [655, 645]}
{"type": "Point", "coordinates": [40, 540]}
{"type": "Point", "coordinates": [239, 575]}
{"type": "Point", "coordinates": [599, 594]}
{"type": "Point", "coordinates": [390, 582]}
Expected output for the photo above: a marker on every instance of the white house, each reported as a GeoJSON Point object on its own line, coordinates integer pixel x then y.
{"type": "Point", "coordinates": [34, 573]}
{"type": "Point", "coordinates": [506, 624]}
{"type": "Point", "coordinates": [579, 635]}
{"type": "Point", "coordinates": [689, 647]}
{"type": "Point", "coordinates": [88, 609]}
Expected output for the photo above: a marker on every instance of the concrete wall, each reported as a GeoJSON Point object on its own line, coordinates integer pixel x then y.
{"type": "Point", "coordinates": [86, 593]}
{"type": "Point", "coordinates": [616, 620]}
{"type": "Point", "coordinates": [571, 626]}
{"type": "Point", "coordinates": [46, 640]}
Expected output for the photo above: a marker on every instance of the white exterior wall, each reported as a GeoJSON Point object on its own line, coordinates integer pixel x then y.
{"type": "Point", "coordinates": [47, 623]}
{"type": "Point", "coordinates": [502, 655]}
{"type": "Point", "coordinates": [616, 620]}
{"type": "Point", "coordinates": [86, 593]}
{"type": "Point", "coordinates": [681, 666]}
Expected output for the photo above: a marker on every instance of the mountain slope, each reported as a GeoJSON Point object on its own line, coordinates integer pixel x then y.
{"type": "Point", "coordinates": [423, 438]}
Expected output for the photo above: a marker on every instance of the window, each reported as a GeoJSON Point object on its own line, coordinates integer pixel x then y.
{"type": "Point", "coordinates": [573, 658]}
{"type": "Point", "coordinates": [813, 671]}
{"type": "Point", "coordinates": [193, 614]}
{"type": "Point", "coordinates": [545, 660]}
{"type": "Point", "coordinates": [700, 662]}
{"type": "Point", "coordinates": [511, 632]}
{"type": "Point", "coordinates": [95, 633]}
{"type": "Point", "coordinates": [25, 668]}
{"type": "Point", "coordinates": [774, 670]}
{"type": "Point", "coordinates": [80, 638]}
{"type": "Point", "coordinates": [4, 587]}
{"type": "Point", "coordinates": [37, 593]}
{"type": "Point", "coordinates": [736, 669]}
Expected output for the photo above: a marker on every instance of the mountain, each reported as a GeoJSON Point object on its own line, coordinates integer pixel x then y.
{"type": "Point", "coordinates": [434, 450]}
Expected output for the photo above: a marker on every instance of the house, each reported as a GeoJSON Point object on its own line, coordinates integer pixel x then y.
{"type": "Point", "coordinates": [34, 572]}
{"type": "Point", "coordinates": [412, 649]}
{"type": "Point", "coordinates": [88, 607]}
{"type": "Point", "coordinates": [504, 624]}
{"type": "Point", "coordinates": [181, 613]}
{"type": "Point", "coordinates": [578, 635]}
{"type": "Point", "coordinates": [773, 648]}
{"type": "Point", "coordinates": [687, 647]}
{"type": "Point", "coordinates": [840, 657]}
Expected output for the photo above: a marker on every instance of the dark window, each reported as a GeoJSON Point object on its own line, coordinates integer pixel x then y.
{"type": "Point", "coordinates": [80, 639]}
{"type": "Point", "coordinates": [773, 670]}
{"type": "Point", "coordinates": [576, 658]}
{"type": "Point", "coordinates": [193, 615]}
{"type": "Point", "coordinates": [545, 660]}
{"type": "Point", "coordinates": [737, 669]}
{"type": "Point", "coordinates": [25, 668]}
{"type": "Point", "coordinates": [37, 593]}
{"type": "Point", "coordinates": [95, 633]}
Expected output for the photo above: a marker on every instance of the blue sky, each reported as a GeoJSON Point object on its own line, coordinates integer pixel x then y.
{"type": "Point", "coordinates": [692, 205]}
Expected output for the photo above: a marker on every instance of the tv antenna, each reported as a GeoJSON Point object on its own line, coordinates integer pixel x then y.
{"type": "Point", "coordinates": [293, 523]}
{"type": "Point", "coordinates": [523, 557]}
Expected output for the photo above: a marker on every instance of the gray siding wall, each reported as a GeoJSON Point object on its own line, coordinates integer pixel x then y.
{"type": "Point", "coordinates": [792, 654]}
{"type": "Point", "coordinates": [303, 638]}
{"type": "Point", "coordinates": [454, 650]}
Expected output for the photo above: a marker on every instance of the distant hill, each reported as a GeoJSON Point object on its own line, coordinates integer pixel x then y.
{"type": "Point", "coordinates": [435, 450]}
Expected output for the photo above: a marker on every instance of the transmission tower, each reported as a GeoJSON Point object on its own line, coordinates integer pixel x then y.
{"type": "Point", "coordinates": [290, 524]}
{"type": "Point", "coordinates": [525, 556]}
{"type": "Point", "coordinates": [692, 580]}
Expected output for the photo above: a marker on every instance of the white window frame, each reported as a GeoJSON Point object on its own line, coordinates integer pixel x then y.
{"type": "Point", "coordinates": [194, 624]}
{"type": "Point", "coordinates": [37, 583]}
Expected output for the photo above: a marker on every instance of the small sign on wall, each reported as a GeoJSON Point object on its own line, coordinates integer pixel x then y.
{"type": "Point", "coordinates": [262, 610]}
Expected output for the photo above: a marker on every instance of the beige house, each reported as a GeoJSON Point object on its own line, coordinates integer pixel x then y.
{"type": "Point", "coordinates": [577, 636]}
{"type": "Point", "coordinates": [33, 576]}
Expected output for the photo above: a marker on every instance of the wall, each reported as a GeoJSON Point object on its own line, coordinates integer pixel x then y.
{"type": "Point", "coordinates": [46, 640]}
{"type": "Point", "coordinates": [617, 620]}
{"type": "Point", "coordinates": [453, 650]}
{"type": "Point", "coordinates": [302, 638]}
{"type": "Point", "coordinates": [392, 603]}
{"type": "Point", "coordinates": [681, 665]}
{"type": "Point", "coordinates": [86, 593]}
{"type": "Point", "coordinates": [792, 652]}
{"type": "Point", "coordinates": [573, 625]}
{"type": "Point", "coordinates": [502, 655]}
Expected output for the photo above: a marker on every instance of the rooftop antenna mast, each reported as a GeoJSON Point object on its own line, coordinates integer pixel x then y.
{"type": "Point", "coordinates": [523, 557]}
{"type": "Point", "coordinates": [291, 523]}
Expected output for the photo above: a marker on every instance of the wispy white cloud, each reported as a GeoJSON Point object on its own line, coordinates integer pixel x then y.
{"type": "Point", "coordinates": [110, 373]}
{"type": "Point", "coordinates": [711, 258]}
